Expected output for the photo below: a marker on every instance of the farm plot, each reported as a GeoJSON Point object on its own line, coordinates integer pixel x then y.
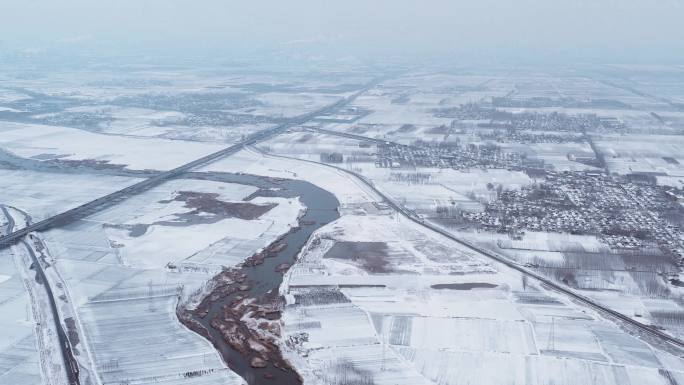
{"type": "Point", "coordinates": [42, 194]}
{"type": "Point", "coordinates": [19, 356]}
{"type": "Point", "coordinates": [407, 309]}
{"type": "Point", "coordinates": [655, 154]}
{"type": "Point", "coordinates": [134, 334]}
{"type": "Point", "coordinates": [31, 140]}
{"type": "Point", "coordinates": [126, 268]}
{"type": "Point", "coordinates": [436, 321]}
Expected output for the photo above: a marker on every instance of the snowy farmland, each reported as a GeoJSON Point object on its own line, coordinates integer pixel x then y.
{"type": "Point", "coordinates": [145, 285]}
{"type": "Point", "coordinates": [425, 310]}
{"type": "Point", "coordinates": [29, 141]}
{"type": "Point", "coordinates": [19, 353]}
{"type": "Point", "coordinates": [627, 281]}
{"type": "Point", "coordinates": [457, 321]}
{"type": "Point", "coordinates": [658, 154]}
{"type": "Point", "coordinates": [125, 291]}
{"type": "Point", "coordinates": [43, 194]}
{"type": "Point", "coordinates": [466, 189]}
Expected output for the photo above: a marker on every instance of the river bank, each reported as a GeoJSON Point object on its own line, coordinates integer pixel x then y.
{"type": "Point", "coordinates": [241, 314]}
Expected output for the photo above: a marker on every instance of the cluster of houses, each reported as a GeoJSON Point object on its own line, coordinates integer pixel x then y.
{"type": "Point", "coordinates": [450, 155]}
{"type": "Point", "coordinates": [623, 214]}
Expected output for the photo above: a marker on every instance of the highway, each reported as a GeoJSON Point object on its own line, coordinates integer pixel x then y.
{"type": "Point", "coordinates": [10, 219]}
{"type": "Point", "coordinates": [98, 204]}
{"type": "Point", "coordinates": [69, 216]}
{"type": "Point", "coordinates": [118, 196]}
{"type": "Point", "coordinates": [71, 365]}
{"type": "Point", "coordinates": [661, 336]}
{"type": "Point", "coordinates": [351, 136]}
{"type": "Point", "coordinates": [548, 282]}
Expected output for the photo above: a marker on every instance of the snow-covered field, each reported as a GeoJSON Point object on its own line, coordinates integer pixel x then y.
{"type": "Point", "coordinates": [633, 283]}
{"type": "Point", "coordinates": [8, 95]}
{"type": "Point", "coordinates": [19, 356]}
{"type": "Point", "coordinates": [125, 283]}
{"type": "Point", "coordinates": [374, 298]}
{"type": "Point", "coordinates": [133, 330]}
{"type": "Point", "coordinates": [422, 309]}
{"type": "Point", "coordinates": [30, 140]}
{"type": "Point", "coordinates": [465, 189]}
{"type": "Point", "coordinates": [643, 153]}
{"type": "Point", "coordinates": [291, 104]}
{"type": "Point", "coordinates": [347, 190]}
{"type": "Point", "coordinates": [42, 194]}
{"type": "Point", "coordinates": [484, 325]}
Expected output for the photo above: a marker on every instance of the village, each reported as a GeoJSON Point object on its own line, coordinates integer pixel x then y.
{"type": "Point", "coordinates": [623, 214]}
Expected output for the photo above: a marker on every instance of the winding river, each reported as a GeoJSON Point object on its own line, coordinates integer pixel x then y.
{"type": "Point", "coordinates": [264, 279]}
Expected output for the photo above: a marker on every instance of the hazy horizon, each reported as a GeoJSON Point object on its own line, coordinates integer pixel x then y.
{"type": "Point", "coordinates": [535, 31]}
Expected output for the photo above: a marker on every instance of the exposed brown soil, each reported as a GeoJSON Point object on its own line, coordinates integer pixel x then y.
{"type": "Point", "coordinates": [249, 324]}
{"type": "Point", "coordinates": [371, 256]}
{"type": "Point", "coordinates": [304, 138]}
{"type": "Point", "coordinates": [271, 251]}
{"type": "Point", "coordinates": [201, 203]}
{"type": "Point", "coordinates": [464, 286]}
{"type": "Point", "coordinates": [439, 130]}
{"type": "Point", "coordinates": [282, 268]}
{"type": "Point", "coordinates": [72, 333]}
{"type": "Point", "coordinates": [241, 315]}
{"type": "Point", "coordinates": [209, 203]}
{"type": "Point", "coordinates": [89, 163]}
{"type": "Point", "coordinates": [259, 345]}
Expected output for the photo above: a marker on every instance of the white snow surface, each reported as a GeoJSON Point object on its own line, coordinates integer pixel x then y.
{"type": "Point", "coordinates": [28, 140]}
{"type": "Point", "coordinates": [126, 286]}
{"type": "Point", "coordinates": [345, 322]}
{"type": "Point", "coordinates": [42, 194]}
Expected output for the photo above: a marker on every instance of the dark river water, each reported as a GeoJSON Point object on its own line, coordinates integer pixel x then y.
{"type": "Point", "coordinates": [321, 209]}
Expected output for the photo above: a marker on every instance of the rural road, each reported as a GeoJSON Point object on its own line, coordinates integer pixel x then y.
{"type": "Point", "coordinates": [89, 208]}
{"type": "Point", "coordinates": [98, 204]}
{"type": "Point", "coordinates": [12, 237]}
{"type": "Point", "coordinates": [65, 346]}
{"type": "Point", "coordinates": [659, 335]}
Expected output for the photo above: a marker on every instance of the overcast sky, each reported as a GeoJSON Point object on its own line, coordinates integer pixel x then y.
{"type": "Point", "coordinates": [609, 30]}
